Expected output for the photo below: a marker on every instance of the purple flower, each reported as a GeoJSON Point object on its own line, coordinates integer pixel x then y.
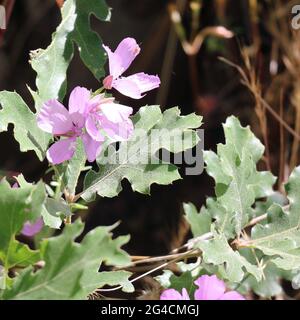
{"type": "Point", "coordinates": [172, 294]}
{"type": "Point", "coordinates": [210, 288]}
{"type": "Point", "coordinates": [85, 119]}
{"type": "Point", "coordinates": [119, 61]}
{"type": "Point", "coordinates": [31, 229]}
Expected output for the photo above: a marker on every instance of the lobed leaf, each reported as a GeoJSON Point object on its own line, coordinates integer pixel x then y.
{"type": "Point", "coordinates": [15, 111]}
{"type": "Point", "coordinates": [71, 269]}
{"type": "Point", "coordinates": [51, 64]}
{"type": "Point", "coordinates": [237, 182]}
{"type": "Point", "coordinates": [134, 158]}
{"type": "Point", "coordinates": [280, 237]}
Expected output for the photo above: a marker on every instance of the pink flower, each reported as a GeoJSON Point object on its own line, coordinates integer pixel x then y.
{"type": "Point", "coordinates": [135, 85]}
{"type": "Point", "coordinates": [172, 294]}
{"type": "Point", "coordinates": [85, 119]}
{"type": "Point", "coordinates": [210, 288]}
{"type": "Point", "coordinates": [31, 229]}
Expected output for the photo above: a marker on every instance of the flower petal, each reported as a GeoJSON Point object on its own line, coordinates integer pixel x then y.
{"type": "Point", "coordinates": [92, 147]}
{"type": "Point", "coordinates": [144, 81]}
{"type": "Point", "coordinates": [127, 87]}
{"type": "Point", "coordinates": [79, 99]}
{"type": "Point", "coordinates": [54, 118]}
{"type": "Point", "coordinates": [78, 105]}
{"type": "Point", "coordinates": [117, 131]}
{"type": "Point", "coordinates": [121, 59]}
{"type": "Point", "coordinates": [136, 85]}
{"type": "Point", "coordinates": [210, 288]}
{"type": "Point", "coordinates": [115, 112]}
{"type": "Point", "coordinates": [232, 295]}
{"type": "Point", "coordinates": [92, 129]}
{"type": "Point", "coordinates": [185, 295]}
{"type": "Point", "coordinates": [172, 294]}
{"type": "Point", "coordinates": [61, 150]}
{"type": "Point", "coordinates": [31, 229]}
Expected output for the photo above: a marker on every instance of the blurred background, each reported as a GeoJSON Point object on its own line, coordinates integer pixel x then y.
{"type": "Point", "coordinates": [182, 41]}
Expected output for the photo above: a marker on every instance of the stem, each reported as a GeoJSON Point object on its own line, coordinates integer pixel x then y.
{"type": "Point", "coordinates": [245, 81]}
{"type": "Point", "coordinates": [98, 91]}
{"type": "Point", "coordinates": [192, 242]}
{"type": "Point", "coordinates": [161, 258]}
{"type": "Point", "coordinates": [148, 272]}
{"type": "Point", "coordinates": [68, 220]}
{"type": "Point", "coordinates": [256, 220]}
{"type": "Point", "coordinates": [282, 148]}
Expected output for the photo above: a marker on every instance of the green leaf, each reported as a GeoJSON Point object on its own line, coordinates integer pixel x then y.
{"type": "Point", "coordinates": [200, 222]}
{"type": "Point", "coordinates": [280, 237]}
{"type": "Point", "coordinates": [232, 265]}
{"type": "Point", "coordinates": [269, 285]}
{"type": "Point", "coordinates": [223, 220]}
{"type": "Point", "coordinates": [16, 207]}
{"type": "Point", "coordinates": [40, 205]}
{"type": "Point", "coordinates": [19, 254]}
{"type": "Point", "coordinates": [37, 197]}
{"type": "Point", "coordinates": [14, 216]}
{"type": "Point", "coordinates": [153, 131]}
{"type": "Point", "coordinates": [185, 280]}
{"type": "Point", "coordinates": [71, 269]}
{"type": "Point", "coordinates": [52, 210]}
{"type": "Point", "coordinates": [51, 64]}
{"type": "Point", "coordinates": [15, 111]}
{"type": "Point", "coordinates": [88, 42]}
{"type": "Point", "coordinates": [74, 168]}
{"type": "Point", "coordinates": [50, 220]}
{"type": "Point", "coordinates": [237, 182]}
{"type": "Point", "coordinates": [110, 278]}
{"type": "Point", "coordinates": [164, 278]}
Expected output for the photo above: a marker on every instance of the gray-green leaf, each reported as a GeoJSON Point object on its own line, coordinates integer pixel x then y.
{"type": "Point", "coordinates": [153, 131]}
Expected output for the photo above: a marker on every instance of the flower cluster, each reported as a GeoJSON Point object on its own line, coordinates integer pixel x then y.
{"type": "Point", "coordinates": [93, 118]}
{"type": "Point", "coordinates": [209, 288]}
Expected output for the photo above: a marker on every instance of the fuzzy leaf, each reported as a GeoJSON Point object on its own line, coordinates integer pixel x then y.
{"type": "Point", "coordinates": [200, 222]}
{"type": "Point", "coordinates": [280, 237]}
{"type": "Point", "coordinates": [237, 182]}
{"type": "Point", "coordinates": [52, 210]}
{"type": "Point", "coordinates": [153, 131]}
{"type": "Point", "coordinates": [51, 64]}
{"type": "Point", "coordinates": [15, 111]}
{"type": "Point", "coordinates": [74, 168]}
{"type": "Point", "coordinates": [185, 280]}
{"type": "Point", "coordinates": [233, 265]}
{"type": "Point", "coordinates": [71, 269]}
{"type": "Point", "coordinates": [15, 209]}
{"type": "Point", "coordinates": [269, 285]}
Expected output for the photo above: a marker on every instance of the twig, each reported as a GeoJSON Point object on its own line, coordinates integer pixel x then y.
{"type": "Point", "coordinates": [256, 220]}
{"type": "Point", "coordinates": [193, 241]}
{"type": "Point", "coordinates": [146, 273]}
{"type": "Point", "coordinates": [159, 258]}
{"type": "Point", "coordinates": [247, 83]}
{"type": "Point", "coordinates": [282, 146]}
